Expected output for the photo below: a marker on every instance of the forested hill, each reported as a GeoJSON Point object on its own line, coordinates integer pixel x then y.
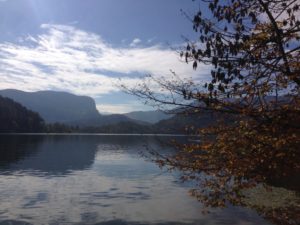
{"type": "Point", "coordinates": [16, 118]}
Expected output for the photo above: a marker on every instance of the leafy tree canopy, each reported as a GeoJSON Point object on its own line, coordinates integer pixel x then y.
{"type": "Point", "coordinates": [253, 48]}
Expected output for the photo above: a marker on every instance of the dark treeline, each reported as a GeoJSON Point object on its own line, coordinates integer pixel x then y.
{"type": "Point", "coordinates": [16, 118]}
{"type": "Point", "coordinates": [60, 128]}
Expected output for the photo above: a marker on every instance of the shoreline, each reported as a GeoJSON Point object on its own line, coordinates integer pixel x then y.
{"type": "Point", "coordinates": [98, 134]}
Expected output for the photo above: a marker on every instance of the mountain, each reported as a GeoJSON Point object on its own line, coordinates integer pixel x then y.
{"type": "Point", "coordinates": [148, 116]}
{"type": "Point", "coordinates": [174, 125]}
{"type": "Point", "coordinates": [55, 106]}
{"type": "Point", "coordinates": [66, 108]}
{"type": "Point", "coordinates": [16, 118]}
{"type": "Point", "coordinates": [184, 123]}
{"type": "Point", "coordinates": [60, 108]}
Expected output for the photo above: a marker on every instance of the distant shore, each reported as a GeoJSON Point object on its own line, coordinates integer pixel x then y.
{"type": "Point", "coordinates": [101, 134]}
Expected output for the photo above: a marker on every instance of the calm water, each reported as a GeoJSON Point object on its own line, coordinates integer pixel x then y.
{"type": "Point", "coordinates": [77, 179]}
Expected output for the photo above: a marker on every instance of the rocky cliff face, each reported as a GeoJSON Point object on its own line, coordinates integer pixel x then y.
{"type": "Point", "coordinates": [55, 106]}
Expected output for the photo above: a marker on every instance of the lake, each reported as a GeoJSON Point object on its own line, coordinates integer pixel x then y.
{"type": "Point", "coordinates": [97, 179]}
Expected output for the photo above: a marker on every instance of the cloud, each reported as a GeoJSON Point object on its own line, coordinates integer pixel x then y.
{"type": "Point", "coordinates": [69, 59]}
{"type": "Point", "coordinates": [135, 42]}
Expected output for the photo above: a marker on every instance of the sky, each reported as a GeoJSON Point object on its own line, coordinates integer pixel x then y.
{"type": "Point", "coordinates": [86, 46]}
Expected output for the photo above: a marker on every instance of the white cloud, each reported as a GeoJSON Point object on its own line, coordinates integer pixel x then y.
{"type": "Point", "coordinates": [135, 42]}
{"type": "Point", "coordinates": [69, 59]}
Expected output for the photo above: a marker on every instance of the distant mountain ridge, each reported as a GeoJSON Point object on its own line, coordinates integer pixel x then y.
{"type": "Point", "coordinates": [149, 116]}
{"type": "Point", "coordinates": [63, 107]}
{"type": "Point", "coordinates": [79, 114]}
{"type": "Point", "coordinates": [55, 106]}
{"type": "Point", "coordinates": [70, 109]}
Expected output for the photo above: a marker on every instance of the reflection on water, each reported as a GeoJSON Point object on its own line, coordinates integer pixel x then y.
{"type": "Point", "coordinates": [96, 180]}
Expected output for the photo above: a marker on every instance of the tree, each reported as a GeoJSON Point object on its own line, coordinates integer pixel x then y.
{"type": "Point", "coordinates": [253, 48]}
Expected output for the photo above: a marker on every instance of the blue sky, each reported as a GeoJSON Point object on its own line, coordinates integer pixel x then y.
{"type": "Point", "coordinates": [84, 46]}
